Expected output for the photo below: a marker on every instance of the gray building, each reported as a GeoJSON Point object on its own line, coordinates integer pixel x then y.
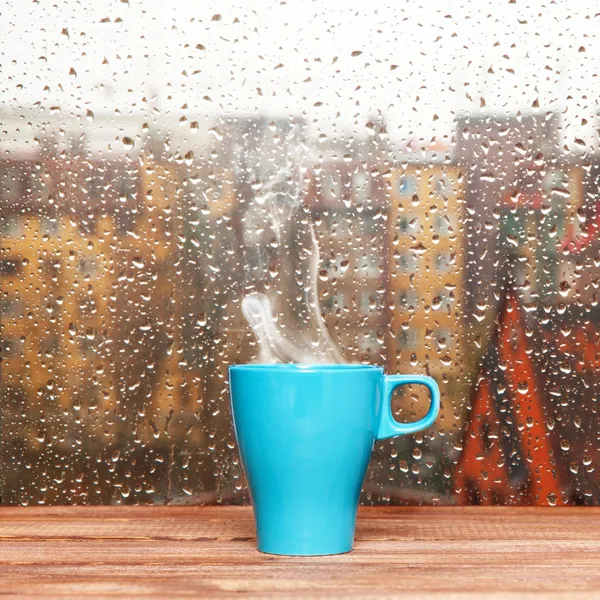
{"type": "Point", "coordinates": [500, 155]}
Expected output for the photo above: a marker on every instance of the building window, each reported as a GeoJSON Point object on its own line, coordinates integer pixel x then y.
{"type": "Point", "coordinates": [10, 226]}
{"type": "Point", "coordinates": [408, 299]}
{"type": "Point", "coordinates": [442, 185]}
{"type": "Point", "coordinates": [408, 224]}
{"type": "Point", "coordinates": [126, 183]}
{"type": "Point", "coordinates": [50, 226]}
{"type": "Point", "coordinates": [159, 163]}
{"type": "Point", "coordinates": [50, 345]}
{"type": "Point", "coordinates": [40, 184]}
{"type": "Point", "coordinates": [9, 347]}
{"type": "Point", "coordinates": [333, 303]}
{"type": "Point", "coordinates": [443, 339]}
{"type": "Point", "coordinates": [407, 339]}
{"type": "Point", "coordinates": [444, 261]}
{"type": "Point", "coordinates": [555, 180]}
{"type": "Point", "coordinates": [9, 267]}
{"type": "Point", "coordinates": [441, 301]}
{"type": "Point", "coordinates": [333, 266]}
{"type": "Point", "coordinates": [332, 186]}
{"type": "Point", "coordinates": [88, 267]}
{"type": "Point", "coordinates": [208, 193]}
{"type": "Point", "coordinates": [88, 344]}
{"type": "Point", "coordinates": [361, 183]}
{"type": "Point", "coordinates": [445, 225]}
{"type": "Point", "coordinates": [370, 266]}
{"type": "Point", "coordinates": [406, 185]}
{"type": "Point", "coordinates": [87, 307]}
{"type": "Point", "coordinates": [407, 262]}
{"type": "Point", "coordinates": [10, 307]}
{"type": "Point", "coordinates": [368, 343]}
{"type": "Point", "coordinates": [51, 268]}
{"type": "Point", "coordinates": [11, 184]}
{"type": "Point", "coordinates": [370, 225]}
{"type": "Point", "coordinates": [368, 303]}
{"type": "Point", "coordinates": [96, 183]}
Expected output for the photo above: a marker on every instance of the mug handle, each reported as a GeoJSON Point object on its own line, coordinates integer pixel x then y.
{"type": "Point", "coordinates": [388, 426]}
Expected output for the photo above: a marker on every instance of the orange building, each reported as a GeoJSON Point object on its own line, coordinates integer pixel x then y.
{"type": "Point", "coordinates": [92, 340]}
{"type": "Point", "coordinates": [507, 454]}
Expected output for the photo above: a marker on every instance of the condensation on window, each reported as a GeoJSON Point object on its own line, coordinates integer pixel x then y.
{"type": "Point", "coordinates": [160, 162]}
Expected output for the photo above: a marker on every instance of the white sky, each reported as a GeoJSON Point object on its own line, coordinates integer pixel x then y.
{"type": "Point", "coordinates": [299, 54]}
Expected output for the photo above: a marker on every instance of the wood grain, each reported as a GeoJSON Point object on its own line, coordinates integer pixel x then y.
{"type": "Point", "coordinates": [467, 552]}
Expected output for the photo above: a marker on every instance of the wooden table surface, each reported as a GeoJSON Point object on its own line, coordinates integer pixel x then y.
{"type": "Point", "coordinates": [166, 552]}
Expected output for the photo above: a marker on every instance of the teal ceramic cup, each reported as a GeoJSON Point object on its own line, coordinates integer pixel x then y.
{"type": "Point", "coordinates": [305, 435]}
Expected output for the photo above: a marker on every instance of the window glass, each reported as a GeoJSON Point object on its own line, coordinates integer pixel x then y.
{"type": "Point", "coordinates": [421, 181]}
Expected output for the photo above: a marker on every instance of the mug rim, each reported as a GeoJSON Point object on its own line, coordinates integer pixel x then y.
{"type": "Point", "coordinates": [305, 367]}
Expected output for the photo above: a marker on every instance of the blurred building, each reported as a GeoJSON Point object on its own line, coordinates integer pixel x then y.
{"type": "Point", "coordinates": [532, 416]}
{"type": "Point", "coordinates": [347, 204]}
{"type": "Point", "coordinates": [580, 247]}
{"type": "Point", "coordinates": [535, 216]}
{"type": "Point", "coordinates": [122, 275]}
{"type": "Point", "coordinates": [425, 278]}
{"type": "Point", "coordinates": [92, 343]}
{"type": "Point", "coordinates": [497, 154]}
{"type": "Point", "coordinates": [545, 251]}
{"type": "Point", "coordinates": [58, 279]}
{"type": "Point", "coordinates": [508, 456]}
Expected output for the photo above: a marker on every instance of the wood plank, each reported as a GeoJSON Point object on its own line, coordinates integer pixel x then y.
{"type": "Point", "coordinates": [495, 552]}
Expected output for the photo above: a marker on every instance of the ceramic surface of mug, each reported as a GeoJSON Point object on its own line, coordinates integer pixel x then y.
{"type": "Point", "coordinates": [305, 435]}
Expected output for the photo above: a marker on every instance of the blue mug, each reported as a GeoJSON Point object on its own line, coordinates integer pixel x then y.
{"type": "Point", "coordinates": [305, 435]}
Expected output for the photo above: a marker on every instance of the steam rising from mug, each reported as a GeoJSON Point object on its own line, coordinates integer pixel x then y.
{"type": "Point", "coordinates": [298, 334]}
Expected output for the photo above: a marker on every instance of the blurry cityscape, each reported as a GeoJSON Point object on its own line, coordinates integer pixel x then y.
{"type": "Point", "coordinates": [124, 259]}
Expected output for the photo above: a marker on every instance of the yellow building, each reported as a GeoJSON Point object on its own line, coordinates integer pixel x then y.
{"type": "Point", "coordinates": [56, 285]}
{"type": "Point", "coordinates": [91, 327]}
{"type": "Point", "coordinates": [425, 288]}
